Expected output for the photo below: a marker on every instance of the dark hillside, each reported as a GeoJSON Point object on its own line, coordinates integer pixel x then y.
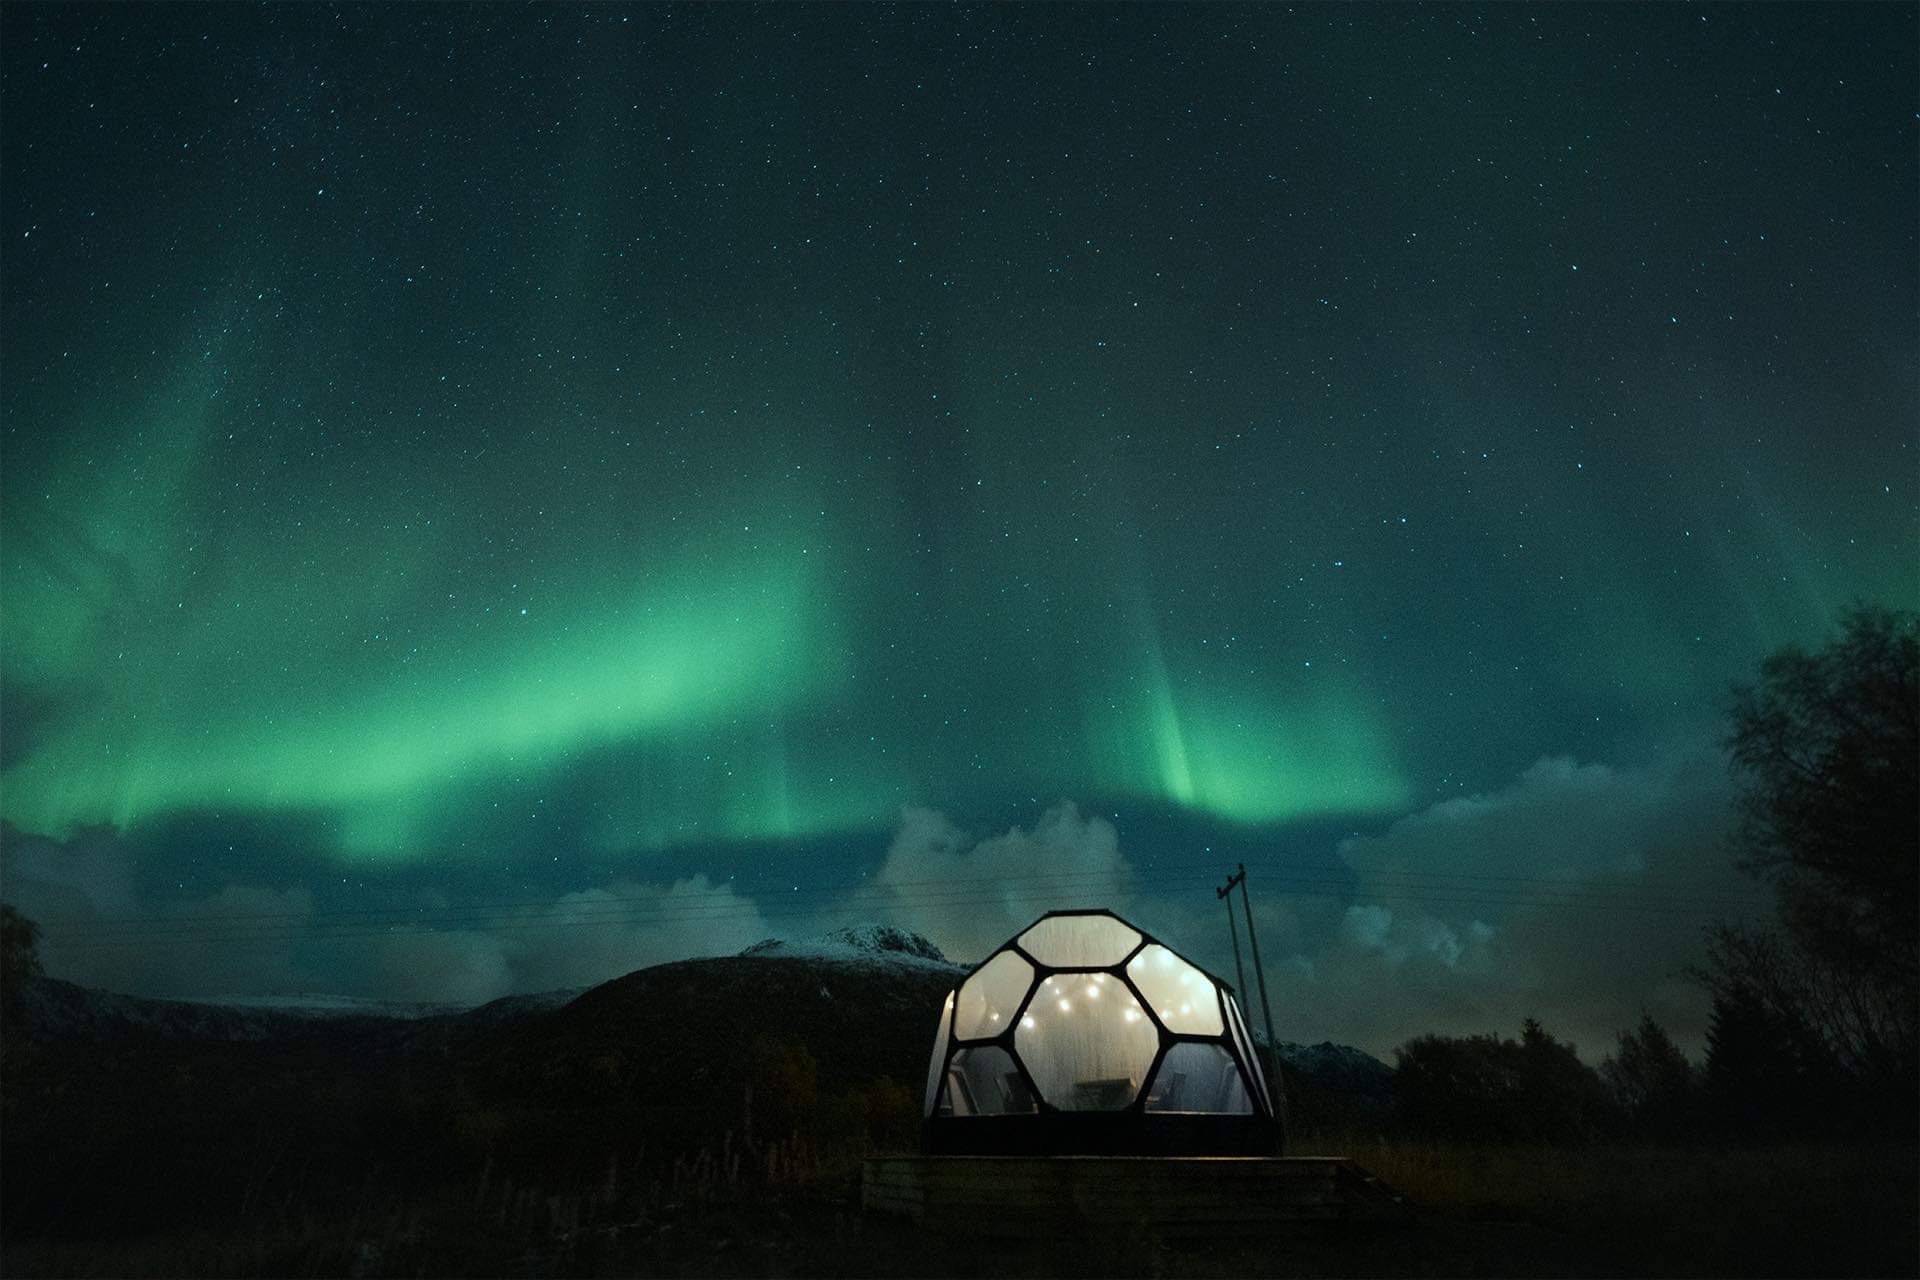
{"type": "Point", "coordinates": [64, 1011]}
{"type": "Point", "coordinates": [673, 1049]}
{"type": "Point", "coordinates": [125, 1113]}
{"type": "Point", "coordinates": [611, 1133]}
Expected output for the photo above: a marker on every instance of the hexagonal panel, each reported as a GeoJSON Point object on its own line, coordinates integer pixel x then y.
{"type": "Point", "coordinates": [990, 998]}
{"type": "Point", "coordinates": [1199, 1077]}
{"type": "Point", "coordinates": [984, 1082]}
{"type": "Point", "coordinates": [1087, 1042]}
{"type": "Point", "coordinates": [939, 1054]}
{"type": "Point", "coordinates": [1244, 1042]}
{"type": "Point", "coordinates": [1079, 941]}
{"type": "Point", "coordinates": [1185, 998]}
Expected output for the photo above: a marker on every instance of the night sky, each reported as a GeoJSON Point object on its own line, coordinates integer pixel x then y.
{"type": "Point", "coordinates": [493, 497]}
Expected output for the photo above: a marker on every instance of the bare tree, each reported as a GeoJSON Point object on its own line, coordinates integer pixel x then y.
{"type": "Point", "coordinates": [1828, 744]}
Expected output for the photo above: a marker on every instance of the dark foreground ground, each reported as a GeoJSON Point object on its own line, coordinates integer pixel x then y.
{"type": "Point", "coordinates": [1758, 1210]}
{"type": "Point", "coordinates": [635, 1131]}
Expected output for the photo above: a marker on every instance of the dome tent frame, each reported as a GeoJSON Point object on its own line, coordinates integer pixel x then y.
{"type": "Point", "coordinates": [1043, 1127]}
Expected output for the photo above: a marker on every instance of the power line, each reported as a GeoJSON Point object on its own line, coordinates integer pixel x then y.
{"type": "Point", "coordinates": [695, 906]}
{"type": "Point", "coordinates": [674, 911]}
{"type": "Point", "coordinates": [670, 910]}
{"type": "Point", "coordinates": [718, 890]}
{"type": "Point", "coordinates": [1334, 874]}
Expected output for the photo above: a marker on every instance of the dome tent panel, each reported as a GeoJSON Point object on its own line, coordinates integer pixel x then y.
{"type": "Point", "coordinates": [1079, 941]}
{"type": "Point", "coordinates": [1087, 1041]}
{"type": "Point", "coordinates": [939, 1052]}
{"type": "Point", "coordinates": [991, 996]}
{"type": "Point", "coordinates": [1199, 1077]}
{"type": "Point", "coordinates": [984, 1081]}
{"type": "Point", "coordinates": [1243, 1041]}
{"type": "Point", "coordinates": [1184, 997]}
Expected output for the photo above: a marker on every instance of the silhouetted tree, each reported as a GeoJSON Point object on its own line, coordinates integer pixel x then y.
{"type": "Point", "coordinates": [1828, 745]}
{"type": "Point", "coordinates": [1571, 1099]}
{"type": "Point", "coordinates": [19, 961]}
{"type": "Point", "coordinates": [1653, 1083]}
{"type": "Point", "coordinates": [1485, 1088]}
{"type": "Point", "coordinates": [19, 964]}
{"type": "Point", "coordinates": [1830, 742]}
{"type": "Point", "coordinates": [1765, 1071]}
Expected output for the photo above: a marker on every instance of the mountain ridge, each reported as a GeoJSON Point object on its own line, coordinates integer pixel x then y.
{"type": "Point", "coordinates": [862, 1001]}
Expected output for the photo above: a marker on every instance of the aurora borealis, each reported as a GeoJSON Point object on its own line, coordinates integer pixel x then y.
{"type": "Point", "coordinates": [480, 450]}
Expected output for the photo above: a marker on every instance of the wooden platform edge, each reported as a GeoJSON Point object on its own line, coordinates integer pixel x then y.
{"type": "Point", "coordinates": [1029, 1195]}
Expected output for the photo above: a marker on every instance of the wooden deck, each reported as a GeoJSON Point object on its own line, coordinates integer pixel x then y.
{"type": "Point", "coordinates": [1043, 1195]}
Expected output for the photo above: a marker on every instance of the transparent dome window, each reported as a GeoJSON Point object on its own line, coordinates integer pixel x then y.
{"type": "Point", "coordinates": [989, 999]}
{"type": "Point", "coordinates": [985, 1082]}
{"type": "Point", "coordinates": [1079, 941]}
{"type": "Point", "coordinates": [1087, 1042]}
{"type": "Point", "coordinates": [1245, 1044]}
{"type": "Point", "coordinates": [939, 1054]}
{"type": "Point", "coordinates": [1199, 1077]}
{"type": "Point", "coordinates": [1184, 997]}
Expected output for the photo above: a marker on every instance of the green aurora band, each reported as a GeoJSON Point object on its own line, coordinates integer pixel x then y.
{"type": "Point", "coordinates": [211, 683]}
{"type": "Point", "coordinates": [738, 450]}
{"type": "Point", "coordinates": [760, 667]}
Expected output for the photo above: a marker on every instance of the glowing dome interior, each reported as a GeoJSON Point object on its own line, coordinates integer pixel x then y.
{"type": "Point", "coordinates": [1084, 1015]}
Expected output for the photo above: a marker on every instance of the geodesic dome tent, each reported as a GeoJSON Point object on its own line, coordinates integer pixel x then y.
{"type": "Point", "coordinates": [1085, 1035]}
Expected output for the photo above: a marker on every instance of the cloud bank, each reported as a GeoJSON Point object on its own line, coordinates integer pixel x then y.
{"type": "Point", "coordinates": [1576, 893]}
{"type": "Point", "coordinates": [970, 895]}
{"type": "Point", "coordinates": [249, 940]}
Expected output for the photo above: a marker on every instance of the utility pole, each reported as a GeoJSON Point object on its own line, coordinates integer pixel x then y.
{"type": "Point", "coordinates": [1273, 1045]}
{"type": "Point", "coordinates": [1276, 1088]}
{"type": "Point", "coordinates": [1226, 895]}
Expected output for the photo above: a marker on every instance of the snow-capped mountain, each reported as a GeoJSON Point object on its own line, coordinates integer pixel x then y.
{"type": "Point", "coordinates": [860, 944]}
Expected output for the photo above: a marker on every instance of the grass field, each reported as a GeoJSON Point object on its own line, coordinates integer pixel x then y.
{"type": "Point", "coordinates": [1796, 1209]}
{"type": "Point", "coordinates": [1774, 1210]}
